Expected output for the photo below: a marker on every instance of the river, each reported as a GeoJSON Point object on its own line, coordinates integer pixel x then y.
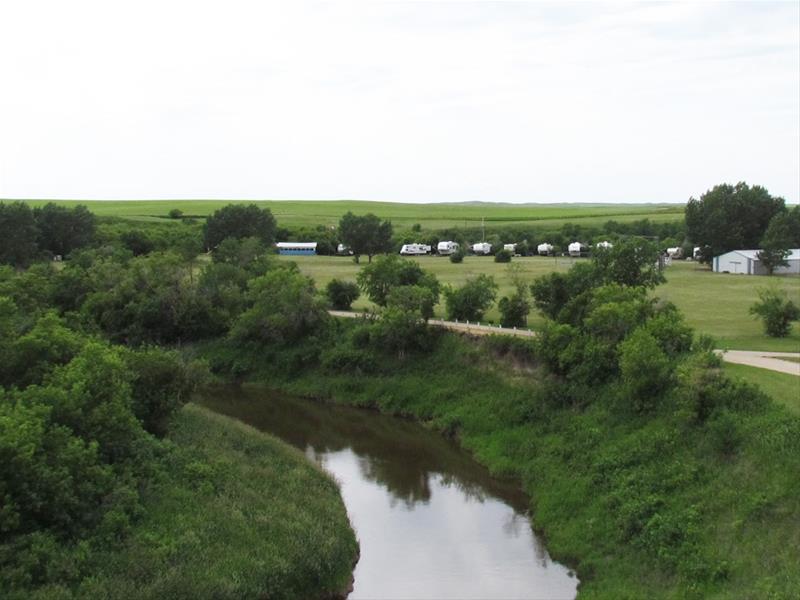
{"type": "Point", "coordinates": [431, 522]}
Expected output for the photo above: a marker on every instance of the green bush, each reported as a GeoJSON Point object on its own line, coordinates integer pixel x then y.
{"type": "Point", "coordinates": [502, 256]}
{"type": "Point", "coordinates": [776, 311]}
{"type": "Point", "coordinates": [472, 300]}
{"type": "Point", "coordinates": [457, 257]}
{"type": "Point", "coordinates": [514, 310]}
{"type": "Point", "coordinates": [341, 294]}
{"type": "Point", "coordinates": [645, 368]}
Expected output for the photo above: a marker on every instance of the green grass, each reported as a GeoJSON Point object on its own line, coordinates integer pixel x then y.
{"type": "Point", "coordinates": [238, 514]}
{"type": "Point", "coordinates": [716, 304]}
{"type": "Point", "coordinates": [781, 387]}
{"type": "Point", "coordinates": [310, 213]}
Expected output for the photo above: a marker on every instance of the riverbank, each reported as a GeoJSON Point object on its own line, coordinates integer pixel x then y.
{"type": "Point", "coordinates": [234, 513]}
{"type": "Point", "coordinates": [641, 506]}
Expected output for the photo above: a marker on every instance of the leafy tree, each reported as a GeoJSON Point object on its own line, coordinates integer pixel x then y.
{"type": "Point", "coordinates": [62, 230]}
{"type": "Point", "coordinates": [413, 298]}
{"type": "Point", "coordinates": [18, 233]}
{"type": "Point", "coordinates": [472, 300]}
{"type": "Point", "coordinates": [284, 309]}
{"type": "Point", "coordinates": [776, 311]}
{"type": "Point", "coordinates": [239, 221]}
{"type": "Point", "coordinates": [176, 213]}
{"type": "Point", "coordinates": [730, 217]}
{"type": "Point", "coordinates": [502, 256]}
{"type": "Point", "coordinates": [246, 253]}
{"type": "Point", "coordinates": [777, 242]}
{"type": "Point", "coordinates": [457, 257]}
{"type": "Point", "coordinates": [342, 294]}
{"type": "Point", "coordinates": [645, 369]}
{"type": "Point", "coordinates": [137, 241]}
{"type": "Point", "coordinates": [378, 279]}
{"type": "Point", "coordinates": [631, 262]}
{"type": "Point", "coordinates": [365, 234]}
{"type": "Point", "coordinates": [514, 309]}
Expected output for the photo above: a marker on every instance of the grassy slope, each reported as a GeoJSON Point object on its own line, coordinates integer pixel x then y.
{"type": "Point", "coordinates": [781, 387]}
{"type": "Point", "coordinates": [311, 213]}
{"type": "Point", "coordinates": [238, 514]}
{"type": "Point", "coordinates": [593, 472]}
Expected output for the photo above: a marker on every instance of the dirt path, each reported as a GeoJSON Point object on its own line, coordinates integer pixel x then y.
{"type": "Point", "coordinates": [762, 360]}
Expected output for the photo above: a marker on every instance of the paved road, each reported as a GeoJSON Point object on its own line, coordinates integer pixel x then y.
{"type": "Point", "coordinates": [763, 360]}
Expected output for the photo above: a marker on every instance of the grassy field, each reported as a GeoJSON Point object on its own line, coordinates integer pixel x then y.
{"type": "Point", "coordinates": [310, 213]}
{"type": "Point", "coordinates": [714, 303]}
{"type": "Point", "coordinates": [238, 514]}
{"type": "Point", "coordinates": [781, 387]}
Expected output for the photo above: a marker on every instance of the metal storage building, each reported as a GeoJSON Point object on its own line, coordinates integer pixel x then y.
{"type": "Point", "coordinates": [746, 262]}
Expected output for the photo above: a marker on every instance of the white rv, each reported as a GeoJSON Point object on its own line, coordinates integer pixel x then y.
{"type": "Point", "coordinates": [343, 250]}
{"type": "Point", "coordinates": [415, 249]}
{"type": "Point", "coordinates": [676, 252]}
{"type": "Point", "coordinates": [696, 253]}
{"type": "Point", "coordinates": [544, 249]}
{"type": "Point", "coordinates": [577, 249]}
{"type": "Point", "coordinates": [604, 245]}
{"type": "Point", "coordinates": [447, 248]}
{"type": "Point", "coordinates": [482, 248]}
{"type": "Point", "coordinates": [510, 248]}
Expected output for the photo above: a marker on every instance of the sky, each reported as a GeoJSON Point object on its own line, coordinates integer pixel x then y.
{"type": "Point", "coordinates": [403, 101]}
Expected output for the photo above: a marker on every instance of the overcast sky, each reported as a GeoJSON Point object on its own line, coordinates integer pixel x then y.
{"type": "Point", "coordinates": [449, 101]}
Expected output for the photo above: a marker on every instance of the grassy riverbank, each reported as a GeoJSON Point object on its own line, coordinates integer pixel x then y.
{"type": "Point", "coordinates": [234, 514]}
{"type": "Point", "coordinates": [642, 506]}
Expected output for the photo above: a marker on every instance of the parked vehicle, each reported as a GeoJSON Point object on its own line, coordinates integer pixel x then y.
{"type": "Point", "coordinates": [544, 249]}
{"type": "Point", "coordinates": [415, 250]}
{"type": "Point", "coordinates": [447, 248]}
{"type": "Point", "coordinates": [578, 249]}
{"type": "Point", "coordinates": [484, 248]}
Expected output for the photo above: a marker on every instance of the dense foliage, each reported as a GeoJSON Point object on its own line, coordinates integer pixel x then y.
{"type": "Point", "coordinates": [239, 221]}
{"type": "Point", "coordinates": [470, 301]}
{"type": "Point", "coordinates": [776, 311]}
{"type": "Point", "coordinates": [378, 279]}
{"type": "Point", "coordinates": [730, 217]}
{"type": "Point", "coordinates": [341, 294]}
{"type": "Point", "coordinates": [365, 234]}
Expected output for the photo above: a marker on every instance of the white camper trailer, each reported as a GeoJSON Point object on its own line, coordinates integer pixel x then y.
{"type": "Point", "coordinates": [577, 249]}
{"type": "Point", "coordinates": [343, 250]}
{"type": "Point", "coordinates": [544, 249]}
{"type": "Point", "coordinates": [447, 248]}
{"type": "Point", "coordinates": [676, 252]}
{"type": "Point", "coordinates": [415, 250]}
{"type": "Point", "coordinates": [482, 248]}
{"type": "Point", "coordinates": [510, 248]}
{"type": "Point", "coordinates": [696, 253]}
{"type": "Point", "coordinates": [604, 245]}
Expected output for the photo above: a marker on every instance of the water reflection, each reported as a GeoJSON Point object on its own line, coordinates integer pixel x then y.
{"type": "Point", "coordinates": [431, 521]}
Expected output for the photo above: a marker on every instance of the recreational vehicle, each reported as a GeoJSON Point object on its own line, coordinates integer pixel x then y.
{"type": "Point", "coordinates": [415, 249]}
{"type": "Point", "coordinates": [577, 249]}
{"type": "Point", "coordinates": [510, 248]}
{"type": "Point", "coordinates": [447, 248]}
{"type": "Point", "coordinates": [482, 248]}
{"type": "Point", "coordinates": [676, 252]}
{"type": "Point", "coordinates": [544, 249]}
{"type": "Point", "coordinates": [604, 245]}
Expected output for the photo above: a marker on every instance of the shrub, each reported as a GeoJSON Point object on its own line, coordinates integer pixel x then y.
{"type": "Point", "coordinates": [457, 257]}
{"type": "Point", "coordinates": [776, 311]}
{"type": "Point", "coordinates": [502, 256]}
{"type": "Point", "coordinates": [342, 294]}
{"type": "Point", "coordinates": [345, 359]}
{"type": "Point", "coordinates": [175, 213]}
{"type": "Point", "coordinates": [514, 310]}
{"type": "Point", "coordinates": [646, 370]}
{"type": "Point", "coordinates": [379, 278]}
{"type": "Point", "coordinates": [472, 300]}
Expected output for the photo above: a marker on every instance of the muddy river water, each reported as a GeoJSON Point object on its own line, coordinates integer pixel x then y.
{"type": "Point", "coordinates": [431, 522]}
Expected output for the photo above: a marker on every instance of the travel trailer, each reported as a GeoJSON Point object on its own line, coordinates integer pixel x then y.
{"type": "Point", "coordinates": [415, 250]}
{"type": "Point", "coordinates": [544, 249]}
{"type": "Point", "coordinates": [482, 248]}
{"type": "Point", "coordinates": [578, 249]}
{"type": "Point", "coordinates": [447, 248]}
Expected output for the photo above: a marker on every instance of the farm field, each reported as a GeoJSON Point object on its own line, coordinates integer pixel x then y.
{"type": "Point", "coordinates": [716, 304]}
{"type": "Point", "coordinates": [310, 213]}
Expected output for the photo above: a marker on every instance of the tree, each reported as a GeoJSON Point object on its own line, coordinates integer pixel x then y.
{"type": "Point", "coordinates": [730, 217]}
{"type": "Point", "coordinates": [457, 257]}
{"type": "Point", "coordinates": [365, 234]}
{"type": "Point", "coordinates": [631, 263]}
{"type": "Point", "coordinates": [502, 256]}
{"type": "Point", "coordinates": [777, 242]}
{"type": "Point", "coordinates": [239, 221]}
{"type": "Point", "coordinates": [776, 311]}
{"type": "Point", "coordinates": [472, 300]}
{"type": "Point", "coordinates": [341, 294]}
{"type": "Point", "coordinates": [284, 309]}
{"type": "Point", "coordinates": [176, 213]}
{"type": "Point", "coordinates": [62, 230]}
{"type": "Point", "coordinates": [514, 309]}
{"type": "Point", "coordinates": [378, 279]}
{"type": "Point", "coordinates": [18, 233]}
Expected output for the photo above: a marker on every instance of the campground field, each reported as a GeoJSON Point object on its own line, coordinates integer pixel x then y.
{"type": "Point", "coordinates": [311, 213]}
{"type": "Point", "coordinates": [716, 304]}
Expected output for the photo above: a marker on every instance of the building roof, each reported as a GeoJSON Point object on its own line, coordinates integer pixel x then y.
{"type": "Point", "coordinates": [297, 245]}
{"type": "Point", "coordinates": [794, 254]}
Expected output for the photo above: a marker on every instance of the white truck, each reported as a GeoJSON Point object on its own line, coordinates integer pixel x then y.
{"type": "Point", "coordinates": [447, 248]}
{"type": "Point", "coordinates": [415, 250]}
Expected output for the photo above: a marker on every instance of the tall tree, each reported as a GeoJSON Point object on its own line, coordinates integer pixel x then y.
{"type": "Point", "coordinates": [365, 234]}
{"type": "Point", "coordinates": [730, 217]}
{"type": "Point", "coordinates": [239, 221]}
{"type": "Point", "coordinates": [17, 234]}
{"type": "Point", "coordinates": [62, 229]}
{"type": "Point", "coordinates": [777, 242]}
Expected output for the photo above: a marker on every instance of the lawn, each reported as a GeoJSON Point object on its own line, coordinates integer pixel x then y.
{"type": "Point", "coordinates": [714, 303]}
{"type": "Point", "coordinates": [781, 387]}
{"type": "Point", "coordinates": [310, 213]}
